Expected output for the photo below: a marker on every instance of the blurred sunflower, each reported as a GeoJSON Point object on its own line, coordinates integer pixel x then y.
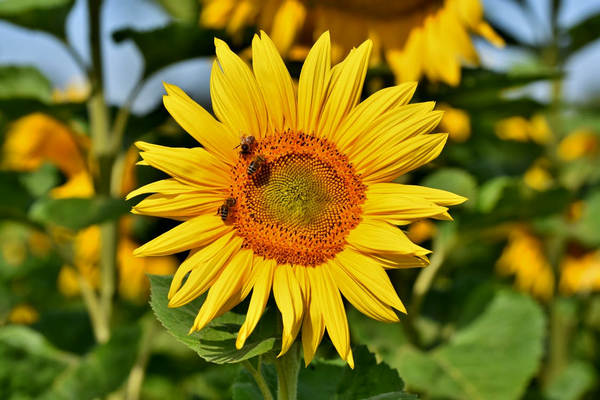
{"type": "Point", "coordinates": [38, 138]}
{"type": "Point", "coordinates": [524, 258]}
{"type": "Point", "coordinates": [580, 274]}
{"type": "Point", "coordinates": [416, 37]}
{"type": "Point", "coordinates": [310, 208]}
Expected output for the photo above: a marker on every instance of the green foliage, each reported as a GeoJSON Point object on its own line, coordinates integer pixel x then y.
{"type": "Point", "coordinates": [454, 180]}
{"type": "Point", "coordinates": [216, 342]}
{"type": "Point", "coordinates": [43, 15]}
{"type": "Point", "coordinates": [101, 371]}
{"type": "Point", "coordinates": [487, 359]}
{"type": "Point", "coordinates": [15, 198]}
{"type": "Point", "coordinates": [573, 382]}
{"type": "Point", "coordinates": [182, 10]}
{"type": "Point", "coordinates": [326, 380]}
{"type": "Point", "coordinates": [584, 33]}
{"type": "Point", "coordinates": [157, 45]}
{"type": "Point", "coordinates": [23, 83]}
{"type": "Point", "coordinates": [77, 213]}
{"type": "Point", "coordinates": [28, 363]}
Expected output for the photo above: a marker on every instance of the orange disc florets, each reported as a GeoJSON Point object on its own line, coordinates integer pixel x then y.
{"type": "Point", "coordinates": [299, 203]}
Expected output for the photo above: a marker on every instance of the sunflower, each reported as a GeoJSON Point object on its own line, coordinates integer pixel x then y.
{"type": "Point", "coordinates": [311, 210]}
{"type": "Point", "coordinates": [417, 37]}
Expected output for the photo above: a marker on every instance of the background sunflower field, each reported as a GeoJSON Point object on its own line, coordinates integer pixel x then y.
{"type": "Point", "coordinates": [509, 307]}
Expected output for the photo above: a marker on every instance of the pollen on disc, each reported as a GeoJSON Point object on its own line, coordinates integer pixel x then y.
{"type": "Point", "coordinates": [301, 202]}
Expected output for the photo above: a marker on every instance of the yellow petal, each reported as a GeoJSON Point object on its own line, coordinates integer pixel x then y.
{"type": "Point", "coordinates": [196, 232]}
{"type": "Point", "coordinates": [413, 153]}
{"type": "Point", "coordinates": [364, 301]}
{"type": "Point", "coordinates": [371, 137]}
{"type": "Point", "coordinates": [236, 98]}
{"type": "Point", "coordinates": [179, 206]}
{"type": "Point", "coordinates": [275, 83]}
{"type": "Point", "coordinates": [258, 301]}
{"type": "Point", "coordinates": [398, 210]}
{"type": "Point", "coordinates": [289, 301]}
{"type": "Point", "coordinates": [437, 196]}
{"type": "Point", "coordinates": [218, 139]}
{"type": "Point", "coordinates": [373, 236]}
{"type": "Point", "coordinates": [313, 329]}
{"type": "Point", "coordinates": [312, 86]}
{"type": "Point", "coordinates": [203, 266]}
{"type": "Point", "coordinates": [164, 186]}
{"type": "Point", "coordinates": [228, 284]}
{"type": "Point", "coordinates": [327, 295]}
{"type": "Point", "coordinates": [367, 272]}
{"type": "Point", "coordinates": [344, 90]}
{"type": "Point", "coordinates": [362, 116]}
{"type": "Point", "coordinates": [194, 166]}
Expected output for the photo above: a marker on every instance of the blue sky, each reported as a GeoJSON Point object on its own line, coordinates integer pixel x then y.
{"type": "Point", "coordinates": [124, 63]}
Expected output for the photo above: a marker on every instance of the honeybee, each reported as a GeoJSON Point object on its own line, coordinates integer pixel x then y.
{"type": "Point", "coordinates": [256, 164]}
{"type": "Point", "coordinates": [223, 210]}
{"type": "Point", "coordinates": [246, 144]}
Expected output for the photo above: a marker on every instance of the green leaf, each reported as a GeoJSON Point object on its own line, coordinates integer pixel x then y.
{"type": "Point", "coordinates": [41, 15]}
{"type": "Point", "coordinates": [28, 363]}
{"type": "Point", "coordinates": [42, 180]}
{"type": "Point", "coordinates": [77, 213]}
{"type": "Point", "coordinates": [492, 191]}
{"type": "Point", "coordinates": [183, 10]}
{"type": "Point", "coordinates": [454, 180]}
{"type": "Point", "coordinates": [332, 380]}
{"type": "Point", "coordinates": [369, 379]}
{"type": "Point", "coordinates": [584, 33]}
{"type": "Point", "coordinates": [573, 382]}
{"type": "Point", "coordinates": [24, 83]}
{"type": "Point", "coordinates": [158, 45]}
{"type": "Point", "coordinates": [587, 229]}
{"type": "Point", "coordinates": [216, 342]}
{"type": "Point", "coordinates": [102, 371]}
{"type": "Point", "coordinates": [15, 199]}
{"type": "Point", "coordinates": [494, 357]}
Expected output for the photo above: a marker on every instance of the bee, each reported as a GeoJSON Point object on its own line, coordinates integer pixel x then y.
{"type": "Point", "coordinates": [223, 210]}
{"type": "Point", "coordinates": [256, 164]}
{"type": "Point", "coordinates": [246, 144]}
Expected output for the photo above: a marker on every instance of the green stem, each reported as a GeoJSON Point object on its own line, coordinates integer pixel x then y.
{"type": "Point", "coordinates": [99, 327]}
{"type": "Point", "coordinates": [104, 154]}
{"type": "Point", "coordinates": [288, 367]}
{"type": "Point", "coordinates": [136, 376]}
{"type": "Point", "coordinates": [561, 328]}
{"type": "Point", "coordinates": [258, 378]}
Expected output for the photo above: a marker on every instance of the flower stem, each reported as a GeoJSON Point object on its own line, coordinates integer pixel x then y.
{"type": "Point", "coordinates": [288, 367]}
{"type": "Point", "coordinates": [258, 378]}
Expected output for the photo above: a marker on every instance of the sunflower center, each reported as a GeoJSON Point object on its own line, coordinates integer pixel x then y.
{"type": "Point", "coordinates": [384, 9]}
{"type": "Point", "coordinates": [300, 200]}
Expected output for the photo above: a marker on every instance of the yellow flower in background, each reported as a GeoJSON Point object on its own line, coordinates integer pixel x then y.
{"type": "Point", "coordinates": [580, 143]}
{"type": "Point", "coordinates": [580, 274]}
{"type": "Point", "coordinates": [538, 176]}
{"type": "Point", "coordinates": [38, 138]}
{"type": "Point", "coordinates": [524, 258]}
{"type": "Point", "coordinates": [75, 91]}
{"type": "Point", "coordinates": [456, 122]}
{"type": "Point", "coordinates": [416, 37]}
{"type": "Point", "coordinates": [421, 231]}
{"type": "Point", "coordinates": [306, 207]}
{"type": "Point", "coordinates": [522, 130]}
{"type": "Point", "coordinates": [23, 314]}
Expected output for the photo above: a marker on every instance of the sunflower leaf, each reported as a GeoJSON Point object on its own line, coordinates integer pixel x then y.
{"type": "Point", "coordinates": [77, 213]}
{"type": "Point", "coordinates": [484, 360]}
{"type": "Point", "coordinates": [41, 15]}
{"type": "Point", "coordinates": [216, 342]}
{"type": "Point", "coordinates": [326, 380]}
{"type": "Point", "coordinates": [24, 83]}
{"type": "Point", "coordinates": [156, 45]}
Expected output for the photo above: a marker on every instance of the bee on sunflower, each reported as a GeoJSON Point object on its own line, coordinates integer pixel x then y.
{"type": "Point", "coordinates": [317, 219]}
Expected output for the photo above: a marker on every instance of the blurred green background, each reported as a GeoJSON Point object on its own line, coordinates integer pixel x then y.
{"type": "Point", "coordinates": [509, 307]}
